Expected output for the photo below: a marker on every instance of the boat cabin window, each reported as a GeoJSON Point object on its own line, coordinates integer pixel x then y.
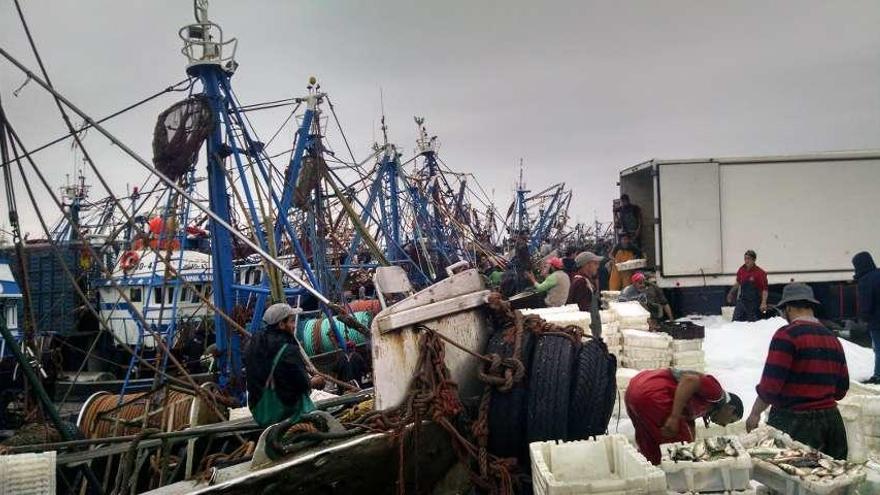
{"type": "Point", "coordinates": [258, 276]}
{"type": "Point", "coordinates": [157, 295]}
{"type": "Point", "coordinates": [185, 294]}
{"type": "Point", "coordinates": [135, 294]}
{"type": "Point", "coordinates": [170, 293]}
{"type": "Point", "coordinates": [195, 295]}
{"type": "Point", "coordinates": [11, 317]}
{"type": "Point", "coordinates": [209, 291]}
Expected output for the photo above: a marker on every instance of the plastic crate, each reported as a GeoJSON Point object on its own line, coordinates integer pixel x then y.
{"type": "Point", "coordinates": [568, 308]}
{"type": "Point", "coordinates": [636, 264]}
{"type": "Point", "coordinates": [624, 375]}
{"type": "Point", "coordinates": [640, 338]}
{"type": "Point", "coordinates": [687, 345]}
{"type": "Point", "coordinates": [727, 312]}
{"type": "Point", "coordinates": [27, 474]}
{"type": "Point", "coordinates": [729, 473]}
{"type": "Point", "coordinates": [683, 330]}
{"type": "Point", "coordinates": [645, 364]}
{"type": "Point", "coordinates": [779, 481]}
{"type": "Point", "coordinates": [607, 464]}
{"type": "Point", "coordinates": [607, 316]}
{"type": "Point", "coordinates": [579, 319]}
{"type": "Point", "coordinates": [686, 358]}
{"type": "Point", "coordinates": [646, 353]}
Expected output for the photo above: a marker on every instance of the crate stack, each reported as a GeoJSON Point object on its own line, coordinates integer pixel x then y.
{"type": "Point", "coordinates": [611, 332]}
{"type": "Point", "coordinates": [643, 350]}
{"type": "Point", "coordinates": [687, 345]}
{"type": "Point", "coordinates": [624, 375]}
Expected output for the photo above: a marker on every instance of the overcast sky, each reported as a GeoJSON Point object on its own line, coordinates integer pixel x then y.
{"type": "Point", "coordinates": [577, 89]}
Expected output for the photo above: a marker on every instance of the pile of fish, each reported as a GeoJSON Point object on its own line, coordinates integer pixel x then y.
{"type": "Point", "coordinates": [807, 464]}
{"type": "Point", "coordinates": [709, 449]}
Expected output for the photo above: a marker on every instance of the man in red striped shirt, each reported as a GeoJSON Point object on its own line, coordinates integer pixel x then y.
{"type": "Point", "coordinates": [804, 377]}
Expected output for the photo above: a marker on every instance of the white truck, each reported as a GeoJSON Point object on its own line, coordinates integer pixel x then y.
{"type": "Point", "coordinates": [805, 216]}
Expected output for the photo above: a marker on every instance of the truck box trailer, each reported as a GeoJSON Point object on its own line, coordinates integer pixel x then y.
{"type": "Point", "coordinates": [805, 216]}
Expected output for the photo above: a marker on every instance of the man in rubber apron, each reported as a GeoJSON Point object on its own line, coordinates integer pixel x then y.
{"type": "Point", "coordinates": [749, 291]}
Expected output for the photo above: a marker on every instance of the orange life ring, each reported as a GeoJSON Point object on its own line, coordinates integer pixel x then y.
{"type": "Point", "coordinates": [129, 260]}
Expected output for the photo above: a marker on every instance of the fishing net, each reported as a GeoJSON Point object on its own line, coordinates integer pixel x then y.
{"type": "Point", "coordinates": [179, 134]}
{"type": "Point", "coordinates": [309, 177]}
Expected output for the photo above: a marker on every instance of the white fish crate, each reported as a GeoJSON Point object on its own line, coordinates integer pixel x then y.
{"type": "Point", "coordinates": [624, 375]}
{"type": "Point", "coordinates": [612, 338]}
{"type": "Point", "coordinates": [27, 474]}
{"type": "Point", "coordinates": [613, 327]}
{"type": "Point", "coordinates": [774, 478]}
{"type": "Point", "coordinates": [630, 312]}
{"type": "Point", "coordinates": [636, 264]}
{"type": "Point", "coordinates": [580, 319]}
{"type": "Point", "coordinates": [724, 474]}
{"type": "Point", "coordinates": [568, 308]}
{"type": "Point", "coordinates": [634, 352]}
{"type": "Point", "coordinates": [610, 296]}
{"type": "Point", "coordinates": [687, 345]}
{"type": "Point", "coordinates": [607, 316]}
{"type": "Point", "coordinates": [641, 338]}
{"type": "Point", "coordinates": [607, 464]}
{"type": "Point", "coordinates": [727, 312]}
{"type": "Point", "coordinates": [688, 358]}
{"type": "Point", "coordinates": [644, 364]}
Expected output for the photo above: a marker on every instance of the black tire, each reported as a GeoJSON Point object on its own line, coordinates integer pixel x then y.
{"type": "Point", "coordinates": [593, 389]}
{"type": "Point", "coordinates": [507, 410]}
{"type": "Point", "coordinates": [550, 388]}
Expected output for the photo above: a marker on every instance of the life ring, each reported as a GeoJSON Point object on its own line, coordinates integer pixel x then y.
{"type": "Point", "coordinates": [129, 260]}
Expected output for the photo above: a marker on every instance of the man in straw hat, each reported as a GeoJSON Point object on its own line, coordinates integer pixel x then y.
{"type": "Point", "coordinates": [804, 377]}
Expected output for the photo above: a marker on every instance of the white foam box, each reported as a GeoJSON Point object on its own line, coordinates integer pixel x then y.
{"type": "Point", "coordinates": [568, 308]}
{"type": "Point", "coordinates": [688, 358]}
{"type": "Point", "coordinates": [624, 375]}
{"type": "Point", "coordinates": [687, 345]}
{"type": "Point", "coordinates": [27, 474]}
{"type": "Point", "coordinates": [607, 316]}
{"type": "Point", "coordinates": [725, 474]}
{"type": "Point", "coordinates": [580, 319]}
{"type": "Point", "coordinates": [778, 480]}
{"type": "Point", "coordinates": [634, 352]}
{"type": "Point", "coordinates": [645, 364]}
{"type": "Point", "coordinates": [629, 310]}
{"type": "Point", "coordinates": [737, 428]}
{"type": "Point", "coordinates": [612, 338]}
{"type": "Point", "coordinates": [641, 338]}
{"type": "Point", "coordinates": [613, 327]}
{"type": "Point", "coordinates": [635, 264]}
{"type": "Point", "coordinates": [607, 464]}
{"type": "Point", "coordinates": [851, 412]}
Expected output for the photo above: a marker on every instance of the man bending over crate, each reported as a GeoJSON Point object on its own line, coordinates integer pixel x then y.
{"type": "Point", "coordinates": [664, 403]}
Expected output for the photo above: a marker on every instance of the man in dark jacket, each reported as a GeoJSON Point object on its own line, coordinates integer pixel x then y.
{"type": "Point", "coordinates": [291, 381]}
{"type": "Point", "coordinates": [868, 277]}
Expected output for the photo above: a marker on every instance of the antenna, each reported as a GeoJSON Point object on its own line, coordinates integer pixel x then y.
{"type": "Point", "coordinates": [382, 106]}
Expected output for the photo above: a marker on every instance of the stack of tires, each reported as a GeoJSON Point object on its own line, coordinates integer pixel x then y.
{"type": "Point", "coordinates": [568, 392]}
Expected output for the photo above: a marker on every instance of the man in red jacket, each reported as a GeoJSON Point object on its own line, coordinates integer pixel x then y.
{"type": "Point", "coordinates": [804, 377]}
{"type": "Point", "coordinates": [663, 405]}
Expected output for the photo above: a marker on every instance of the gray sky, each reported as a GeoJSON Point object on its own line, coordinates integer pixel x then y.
{"type": "Point", "coordinates": [578, 89]}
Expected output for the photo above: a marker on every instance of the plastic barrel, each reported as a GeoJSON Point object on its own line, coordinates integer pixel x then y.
{"type": "Point", "coordinates": [318, 341]}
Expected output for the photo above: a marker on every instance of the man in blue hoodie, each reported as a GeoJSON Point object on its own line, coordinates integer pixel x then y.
{"type": "Point", "coordinates": [868, 277]}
